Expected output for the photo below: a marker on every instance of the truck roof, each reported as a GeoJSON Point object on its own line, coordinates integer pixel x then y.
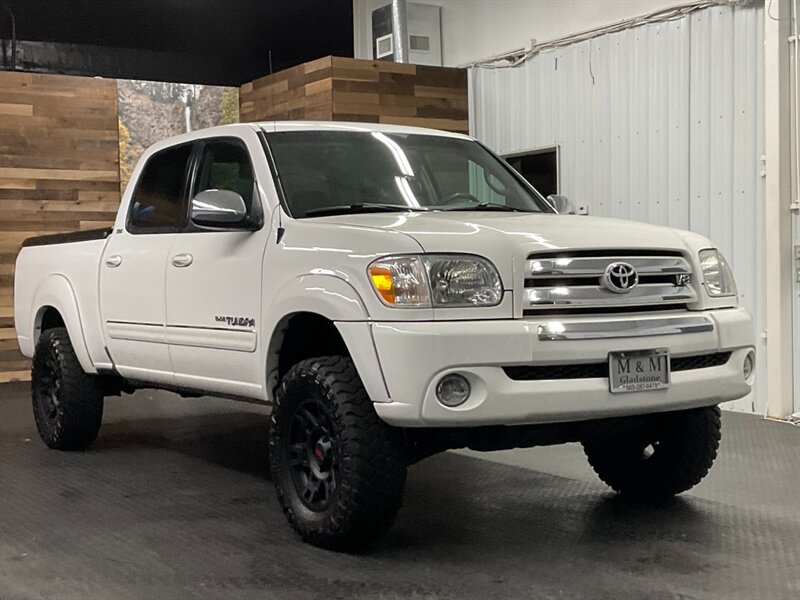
{"type": "Point", "coordinates": [272, 126]}
{"type": "Point", "coordinates": [351, 126]}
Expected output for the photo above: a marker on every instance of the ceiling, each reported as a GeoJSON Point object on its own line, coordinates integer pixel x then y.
{"type": "Point", "coordinates": [198, 41]}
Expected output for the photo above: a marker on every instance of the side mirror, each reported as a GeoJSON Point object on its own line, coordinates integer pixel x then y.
{"type": "Point", "coordinates": [562, 204]}
{"type": "Point", "coordinates": [219, 208]}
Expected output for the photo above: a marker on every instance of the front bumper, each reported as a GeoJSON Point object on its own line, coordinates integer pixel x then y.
{"type": "Point", "coordinates": [415, 355]}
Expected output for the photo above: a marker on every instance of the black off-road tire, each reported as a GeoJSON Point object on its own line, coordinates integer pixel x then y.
{"type": "Point", "coordinates": [67, 403]}
{"type": "Point", "coordinates": [672, 457]}
{"type": "Point", "coordinates": [364, 456]}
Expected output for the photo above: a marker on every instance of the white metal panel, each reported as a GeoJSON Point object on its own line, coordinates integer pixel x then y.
{"type": "Point", "coordinates": [661, 123]}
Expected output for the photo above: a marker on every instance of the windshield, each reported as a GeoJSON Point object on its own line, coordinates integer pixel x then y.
{"type": "Point", "coordinates": [329, 172]}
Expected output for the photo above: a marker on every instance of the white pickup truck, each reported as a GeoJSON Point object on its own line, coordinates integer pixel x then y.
{"type": "Point", "coordinates": [392, 292]}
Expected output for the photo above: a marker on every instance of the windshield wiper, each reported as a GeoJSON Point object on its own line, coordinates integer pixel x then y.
{"type": "Point", "coordinates": [360, 207]}
{"type": "Point", "coordinates": [486, 206]}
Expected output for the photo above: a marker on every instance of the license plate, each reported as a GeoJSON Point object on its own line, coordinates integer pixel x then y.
{"type": "Point", "coordinates": [638, 371]}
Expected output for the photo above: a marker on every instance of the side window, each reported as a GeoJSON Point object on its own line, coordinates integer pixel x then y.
{"type": "Point", "coordinates": [157, 203]}
{"type": "Point", "coordinates": [225, 165]}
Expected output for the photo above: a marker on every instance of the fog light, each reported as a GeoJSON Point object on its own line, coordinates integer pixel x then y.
{"type": "Point", "coordinates": [453, 390]}
{"type": "Point", "coordinates": [749, 365]}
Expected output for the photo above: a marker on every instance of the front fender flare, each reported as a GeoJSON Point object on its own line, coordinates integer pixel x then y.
{"type": "Point", "coordinates": [326, 295]}
{"type": "Point", "coordinates": [56, 291]}
{"type": "Point", "coordinates": [335, 299]}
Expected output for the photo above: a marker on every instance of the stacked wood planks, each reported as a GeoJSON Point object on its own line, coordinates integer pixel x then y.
{"type": "Point", "coordinates": [348, 89]}
{"type": "Point", "coordinates": [59, 171]}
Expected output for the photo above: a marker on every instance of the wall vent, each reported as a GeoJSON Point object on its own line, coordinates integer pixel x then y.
{"type": "Point", "coordinates": [424, 29]}
{"type": "Point", "coordinates": [384, 46]}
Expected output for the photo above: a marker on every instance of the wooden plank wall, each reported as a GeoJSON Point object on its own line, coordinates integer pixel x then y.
{"type": "Point", "coordinates": [59, 171]}
{"type": "Point", "coordinates": [348, 89]}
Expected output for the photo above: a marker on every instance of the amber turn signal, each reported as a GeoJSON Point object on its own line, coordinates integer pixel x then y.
{"type": "Point", "coordinates": [382, 282]}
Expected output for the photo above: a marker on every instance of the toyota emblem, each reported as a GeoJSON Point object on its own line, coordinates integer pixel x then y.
{"type": "Point", "coordinates": [620, 277]}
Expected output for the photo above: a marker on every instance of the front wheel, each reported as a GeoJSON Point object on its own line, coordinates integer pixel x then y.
{"type": "Point", "coordinates": [661, 461]}
{"type": "Point", "coordinates": [67, 403]}
{"type": "Point", "coordinates": [339, 470]}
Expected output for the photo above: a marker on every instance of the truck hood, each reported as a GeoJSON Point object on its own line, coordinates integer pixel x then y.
{"type": "Point", "coordinates": [465, 231]}
{"type": "Point", "coordinates": [462, 230]}
{"type": "Point", "coordinates": [507, 238]}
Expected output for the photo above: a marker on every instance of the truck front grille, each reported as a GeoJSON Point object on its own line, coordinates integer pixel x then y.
{"type": "Point", "coordinates": [591, 370]}
{"type": "Point", "coordinates": [577, 282]}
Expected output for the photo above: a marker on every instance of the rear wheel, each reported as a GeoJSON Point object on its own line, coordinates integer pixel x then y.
{"type": "Point", "coordinates": [67, 403]}
{"type": "Point", "coordinates": [339, 470]}
{"type": "Point", "coordinates": [661, 461]}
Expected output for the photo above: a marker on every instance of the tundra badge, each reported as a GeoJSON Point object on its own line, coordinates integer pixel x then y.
{"type": "Point", "coordinates": [236, 321]}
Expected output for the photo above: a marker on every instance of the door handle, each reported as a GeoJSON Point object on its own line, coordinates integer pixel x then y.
{"type": "Point", "coordinates": [113, 261]}
{"type": "Point", "coordinates": [182, 260]}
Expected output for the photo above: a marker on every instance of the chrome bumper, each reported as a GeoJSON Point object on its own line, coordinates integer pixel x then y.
{"type": "Point", "coordinates": [595, 330]}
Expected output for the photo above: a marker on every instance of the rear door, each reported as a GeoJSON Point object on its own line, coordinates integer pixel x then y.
{"type": "Point", "coordinates": [213, 281]}
{"type": "Point", "coordinates": [132, 270]}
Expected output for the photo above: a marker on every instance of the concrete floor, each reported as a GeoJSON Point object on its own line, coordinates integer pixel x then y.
{"type": "Point", "coordinates": [172, 501]}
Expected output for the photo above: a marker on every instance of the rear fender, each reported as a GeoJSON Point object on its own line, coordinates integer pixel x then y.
{"type": "Point", "coordinates": [56, 292]}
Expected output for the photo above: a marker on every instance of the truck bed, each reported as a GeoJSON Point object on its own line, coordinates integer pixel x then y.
{"type": "Point", "coordinates": [67, 238]}
{"type": "Point", "coordinates": [61, 268]}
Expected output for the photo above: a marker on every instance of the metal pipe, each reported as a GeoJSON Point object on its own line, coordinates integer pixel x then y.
{"type": "Point", "coordinates": [795, 7]}
{"type": "Point", "coordinates": [777, 262]}
{"type": "Point", "coordinates": [400, 31]}
{"type": "Point", "coordinates": [13, 36]}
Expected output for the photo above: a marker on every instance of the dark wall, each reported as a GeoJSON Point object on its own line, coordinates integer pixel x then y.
{"type": "Point", "coordinates": [120, 63]}
{"type": "Point", "coordinates": [223, 42]}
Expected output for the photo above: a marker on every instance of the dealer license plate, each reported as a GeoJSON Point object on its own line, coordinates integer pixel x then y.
{"type": "Point", "coordinates": [638, 371]}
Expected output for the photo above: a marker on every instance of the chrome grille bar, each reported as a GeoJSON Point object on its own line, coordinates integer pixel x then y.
{"type": "Point", "coordinates": [564, 282]}
{"type": "Point", "coordinates": [594, 296]}
{"type": "Point", "coordinates": [596, 266]}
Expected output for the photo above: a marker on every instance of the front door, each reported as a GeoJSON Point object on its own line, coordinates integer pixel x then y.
{"type": "Point", "coordinates": [213, 284]}
{"type": "Point", "coordinates": [132, 270]}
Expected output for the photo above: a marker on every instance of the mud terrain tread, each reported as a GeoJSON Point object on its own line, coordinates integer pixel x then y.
{"type": "Point", "coordinates": [693, 440]}
{"type": "Point", "coordinates": [80, 396]}
{"type": "Point", "coordinates": [373, 469]}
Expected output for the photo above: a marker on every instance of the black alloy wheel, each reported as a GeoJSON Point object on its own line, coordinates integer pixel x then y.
{"type": "Point", "coordinates": [338, 469]}
{"type": "Point", "coordinates": [313, 454]}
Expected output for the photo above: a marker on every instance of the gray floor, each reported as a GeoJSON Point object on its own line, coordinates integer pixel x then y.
{"type": "Point", "coordinates": [172, 502]}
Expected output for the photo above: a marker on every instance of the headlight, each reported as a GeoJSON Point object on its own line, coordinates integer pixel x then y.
{"type": "Point", "coordinates": [717, 275]}
{"type": "Point", "coordinates": [462, 280]}
{"type": "Point", "coordinates": [400, 281]}
{"type": "Point", "coordinates": [442, 280]}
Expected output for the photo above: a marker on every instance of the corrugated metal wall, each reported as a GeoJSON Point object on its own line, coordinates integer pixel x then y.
{"type": "Point", "coordinates": [661, 123]}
